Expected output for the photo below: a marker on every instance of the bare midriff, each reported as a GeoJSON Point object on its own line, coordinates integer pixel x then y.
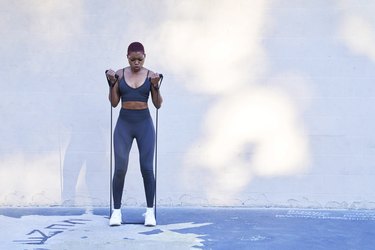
{"type": "Point", "coordinates": [134, 105]}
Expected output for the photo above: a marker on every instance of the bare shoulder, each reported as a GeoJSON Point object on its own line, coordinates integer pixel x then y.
{"type": "Point", "coordinates": [148, 71]}
{"type": "Point", "coordinates": [120, 72]}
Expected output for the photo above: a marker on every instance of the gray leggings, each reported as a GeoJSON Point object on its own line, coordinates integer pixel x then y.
{"type": "Point", "coordinates": [134, 124]}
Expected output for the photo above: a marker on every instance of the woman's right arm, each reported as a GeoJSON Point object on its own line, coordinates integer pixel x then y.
{"type": "Point", "coordinates": [114, 92]}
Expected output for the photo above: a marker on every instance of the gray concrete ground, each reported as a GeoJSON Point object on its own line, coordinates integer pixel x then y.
{"type": "Point", "coordinates": [187, 228]}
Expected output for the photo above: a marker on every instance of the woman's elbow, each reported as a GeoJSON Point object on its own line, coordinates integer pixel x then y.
{"type": "Point", "coordinates": [158, 104]}
{"type": "Point", "coordinates": [114, 103]}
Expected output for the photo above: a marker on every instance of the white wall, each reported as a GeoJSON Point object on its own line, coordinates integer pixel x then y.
{"type": "Point", "coordinates": [267, 103]}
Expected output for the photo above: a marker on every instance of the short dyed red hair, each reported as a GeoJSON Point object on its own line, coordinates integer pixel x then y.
{"type": "Point", "coordinates": [136, 47]}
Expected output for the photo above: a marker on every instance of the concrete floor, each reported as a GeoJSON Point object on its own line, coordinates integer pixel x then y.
{"type": "Point", "coordinates": [187, 228]}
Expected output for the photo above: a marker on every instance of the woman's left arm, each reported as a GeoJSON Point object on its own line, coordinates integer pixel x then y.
{"type": "Point", "coordinates": [155, 90]}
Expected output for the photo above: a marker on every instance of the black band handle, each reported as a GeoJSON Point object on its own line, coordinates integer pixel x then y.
{"type": "Point", "coordinates": [109, 82]}
{"type": "Point", "coordinates": [115, 74]}
{"type": "Point", "coordinates": [161, 80]}
{"type": "Point", "coordinates": [160, 76]}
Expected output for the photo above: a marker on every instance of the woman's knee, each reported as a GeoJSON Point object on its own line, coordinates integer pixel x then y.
{"type": "Point", "coordinates": [119, 173]}
{"type": "Point", "coordinates": [147, 173]}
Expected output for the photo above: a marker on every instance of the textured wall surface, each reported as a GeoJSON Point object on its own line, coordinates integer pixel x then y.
{"type": "Point", "coordinates": [267, 102]}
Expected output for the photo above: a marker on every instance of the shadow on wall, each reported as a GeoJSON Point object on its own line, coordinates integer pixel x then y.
{"type": "Point", "coordinates": [222, 57]}
{"type": "Point", "coordinates": [251, 129]}
{"type": "Point", "coordinates": [85, 171]}
{"type": "Point", "coordinates": [253, 133]}
{"type": "Point", "coordinates": [43, 41]}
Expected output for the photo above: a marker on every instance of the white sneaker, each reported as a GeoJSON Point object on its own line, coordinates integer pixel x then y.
{"type": "Point", "coordinates": [150, 217]}
{"type": "Point", "coordinates": [116, 218]}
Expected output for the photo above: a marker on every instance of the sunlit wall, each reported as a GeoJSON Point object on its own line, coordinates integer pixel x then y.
{"type": "Point", "coordinates": [267, 103]}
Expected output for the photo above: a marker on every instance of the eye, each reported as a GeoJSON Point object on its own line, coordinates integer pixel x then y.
{"type": "Point", "coordinates": [136, 59]}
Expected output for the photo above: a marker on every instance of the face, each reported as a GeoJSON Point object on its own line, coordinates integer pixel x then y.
{"type": "Point", "coordinates": [136, 60]}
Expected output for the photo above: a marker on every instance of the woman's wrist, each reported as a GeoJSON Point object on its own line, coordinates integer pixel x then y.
{"type": "Point", "coordinates": [112, 84]}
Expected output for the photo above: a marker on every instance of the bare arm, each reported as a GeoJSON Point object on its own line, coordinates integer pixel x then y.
{"type": "Point", "coordinates": [157, 99]}
{"type": "Point", "coordinates": [114, 92]}
{"type": "Point", "coordinates": [114, 95]}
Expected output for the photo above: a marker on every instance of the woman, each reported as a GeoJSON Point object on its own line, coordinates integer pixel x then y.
{"type": "Point", "coordinates": [133, 85]}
